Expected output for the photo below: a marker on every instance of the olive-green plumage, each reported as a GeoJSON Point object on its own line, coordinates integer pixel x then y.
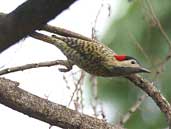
{"type": "Point", "coordinates": [95, 58]}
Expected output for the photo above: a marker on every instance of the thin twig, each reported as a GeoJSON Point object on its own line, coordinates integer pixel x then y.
{"type": "Point", "coordinates": [81, 91]}
{"type": "Point", "coordinates": [158, 23]}
{"type": "Point", "coordinates": [33, 65]}
{"type": "Point", "coordinates": [139, 46]}
{"type": "Point", "coordinates": [156, 20]}
{"type": "Point", "coordinates": [94, 31]}
{"type": "Point", "coordinates": [95, 95]}
{"type": "Point", "coordinates": [134, 108]}
{"type": "Point", "coordinates": [77, 87]}
{"type": "Point", "coordinates": [94, 35]}
{"type": "Point", "coordinates": [102, 111]}
{"type": "Point", "coordinates": [160, 67]}
{"type": "Point", "coordinates": [95, 102]}
{"type": "Point", "coordinates": [66, 82]}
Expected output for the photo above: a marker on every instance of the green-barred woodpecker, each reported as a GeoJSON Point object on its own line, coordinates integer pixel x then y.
{"type": "Point", "coordinates": [96, 58]}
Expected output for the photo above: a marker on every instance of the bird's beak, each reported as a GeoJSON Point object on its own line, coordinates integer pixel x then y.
{"type": "Point", "coordinates": [145, 70]}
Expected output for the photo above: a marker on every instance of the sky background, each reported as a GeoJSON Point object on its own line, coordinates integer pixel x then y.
{"type": "Point", "coordinates": [49, 81]}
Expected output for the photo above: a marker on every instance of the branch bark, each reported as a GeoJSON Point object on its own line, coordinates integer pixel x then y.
{"type": "Point", "coordinates": [34, 65]}
{"type": "Point", "coordinates": [29, 16]}
{"type": "Point", "coordinates": [154, 93]}
{"type": "Point", "coordinates": [42, 109]}
{"type": "Point", "coordinates": [64, 32]}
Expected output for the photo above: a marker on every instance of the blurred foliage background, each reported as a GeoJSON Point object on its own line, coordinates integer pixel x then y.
{"type": "Point", "coordinates": [137, 33]}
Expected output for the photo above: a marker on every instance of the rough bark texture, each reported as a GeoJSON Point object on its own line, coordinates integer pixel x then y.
{"type": "Point", "coordinates": [29, 16]}
{"type": "Point", "coordinates": [154, 93]}
{"type": "Point", "coordinates": [54, 114]}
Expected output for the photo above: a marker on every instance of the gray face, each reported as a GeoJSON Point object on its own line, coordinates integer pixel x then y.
{"type": "Point", "coordinates": [123, 71]}
{"type": "Point", "coordinates": [127, 67]}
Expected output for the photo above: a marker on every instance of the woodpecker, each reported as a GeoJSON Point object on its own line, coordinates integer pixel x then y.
{"type": "Point", "coordinates": [96, 58]}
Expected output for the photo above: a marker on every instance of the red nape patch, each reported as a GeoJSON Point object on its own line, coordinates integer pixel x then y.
{"type": "Point", "coordinates": [120, 57]}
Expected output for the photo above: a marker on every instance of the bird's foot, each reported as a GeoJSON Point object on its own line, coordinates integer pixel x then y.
{"type": "Point", "coordinates": [68, 66]}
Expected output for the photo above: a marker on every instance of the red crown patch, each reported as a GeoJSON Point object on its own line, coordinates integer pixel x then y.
{"type": "Point", "coordinates": [120, 57]}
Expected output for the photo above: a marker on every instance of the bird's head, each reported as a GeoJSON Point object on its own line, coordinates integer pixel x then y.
{"type": "Point", "coordinates": [126, 65]}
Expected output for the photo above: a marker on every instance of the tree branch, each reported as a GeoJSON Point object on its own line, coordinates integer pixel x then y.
{"type": "Point", "coordinates": [64, 32]}
{"type": "Point", "coordinates": [133, 108]}
{"type": "Point", "coordinates": [42, 109]}
{"type": "Point", "coordinates": [34, 65]}
{"type": "Point", "coordinates": [29, 16]}
{"type": "Point", "coordinates": [154, 93]}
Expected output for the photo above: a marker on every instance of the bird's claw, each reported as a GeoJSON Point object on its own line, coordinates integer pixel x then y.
{"type": "Point", "coordinates": [68, 66]}
{"type": "Point", "coordinates": [67, 69]}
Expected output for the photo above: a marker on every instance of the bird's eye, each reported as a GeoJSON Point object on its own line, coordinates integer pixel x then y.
{"type": "Point", "coordinates": [133, 62]}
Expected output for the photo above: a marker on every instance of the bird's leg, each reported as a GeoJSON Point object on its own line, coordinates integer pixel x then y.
{"type": "Point", "coordinates": [68, 64]}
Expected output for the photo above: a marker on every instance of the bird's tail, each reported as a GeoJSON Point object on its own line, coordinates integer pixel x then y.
{"type": "Point", "coordinates": [57, 41]}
